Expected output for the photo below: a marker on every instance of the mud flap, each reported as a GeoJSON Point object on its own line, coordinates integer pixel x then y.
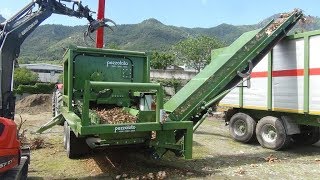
{"type": "Point", "coordinates": [291, 126]}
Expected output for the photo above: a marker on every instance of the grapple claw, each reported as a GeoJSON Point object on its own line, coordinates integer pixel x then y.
{"type": "Point", "coordinates": [106, 20]}
{"type": "Point", "coordinates": [95, 25]}
{"type": "Point", "coordinates": [107, 25]}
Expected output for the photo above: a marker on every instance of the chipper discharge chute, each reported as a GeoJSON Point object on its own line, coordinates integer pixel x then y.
{"type": "Point", "coordinates": [108, 100]}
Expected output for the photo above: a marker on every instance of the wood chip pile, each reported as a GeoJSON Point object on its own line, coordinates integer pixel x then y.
{"type": "Point", "coordinates": [279, 21]}
{"type": "Point", "coordinates": [115, 116]}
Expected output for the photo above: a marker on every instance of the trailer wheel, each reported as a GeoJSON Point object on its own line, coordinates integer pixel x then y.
{"type": "Point", "coordinates": [242, 127]}
{"type": "Point", "coordinates": [76, 147]}
{"type": "Point", "coordinates": [309, 135]}
{"type": "Point", "coordinates": [271, 133]}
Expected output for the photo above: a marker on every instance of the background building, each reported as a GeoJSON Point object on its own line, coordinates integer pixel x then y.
{"type": "Point", "coordinates": [47, 72]}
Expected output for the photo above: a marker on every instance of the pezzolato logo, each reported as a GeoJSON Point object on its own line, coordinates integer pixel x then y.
{"type": "Point", "coordinates": [117, 63]}
{"type": "Point", "coordinates": [129, 128]}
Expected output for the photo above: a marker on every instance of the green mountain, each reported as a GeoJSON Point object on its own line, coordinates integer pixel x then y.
{"type": "Point", "coordinates": [49, 42]}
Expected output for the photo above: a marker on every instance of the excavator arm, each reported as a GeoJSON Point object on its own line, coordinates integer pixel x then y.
{"type": "Point", "coordinates": [14, 31]}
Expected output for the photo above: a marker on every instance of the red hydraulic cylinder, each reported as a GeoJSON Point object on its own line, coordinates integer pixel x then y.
{"type": "Point", "coordinates": [100, 31]}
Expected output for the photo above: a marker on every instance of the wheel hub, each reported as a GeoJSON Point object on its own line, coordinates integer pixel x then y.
{"type": "Point", "coordinates": [240, 128]}
{"type": "Point", "coordinates": [269, 133]}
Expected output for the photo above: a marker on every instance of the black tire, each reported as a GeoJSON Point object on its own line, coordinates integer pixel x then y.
{"type": "Point", "coordinates": [309, 135]}
{"type": "Point", "coordinates": [58, 102]}
{"type": "Point", "coordinates": [76, 147]}
{"type": "Point", "coordinates": [271, 133]}
{"type": "Point", "coordinates": [65, 128]}
{"type": "Point", "coordinates": [242, 128]}
{"type": "Point", "coordinates": [24, 172]}
{"type": "Point", "coordinates": [53, 104]}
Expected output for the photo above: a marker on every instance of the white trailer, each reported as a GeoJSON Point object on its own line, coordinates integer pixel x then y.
{"type": "Point", "coordinates": [283, 103]}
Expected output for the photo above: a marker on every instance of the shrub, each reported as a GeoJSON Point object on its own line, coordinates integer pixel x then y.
{"type": "Point", "coordinates": [24, 76]}
{"type": "Point", "coordinates": [38, 88]}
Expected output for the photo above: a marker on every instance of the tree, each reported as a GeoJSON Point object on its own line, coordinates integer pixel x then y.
{"type": "Point", "coordinates": [113, 46]}
{"type": "Point", "coordinates": [24, 60]}
{"type": "Point", "coordinates": [161, 60]}
{"type": "Point", "coordinates": [196, 52]}
{"type": "Point", "coordinates": [24, 76]}
{"type": "Point", "coordinates": [60, 78]}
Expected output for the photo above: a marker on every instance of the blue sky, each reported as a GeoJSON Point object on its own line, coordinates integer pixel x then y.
{"type": "Point", "coordinates": [187, 13]}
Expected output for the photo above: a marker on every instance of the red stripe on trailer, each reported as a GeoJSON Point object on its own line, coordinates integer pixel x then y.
{"type": "Point", "coordinates": [314, 71]}
{"type": "Point", "coordinates": [286, 73]}
{"type": "Point", "coordinates": [259, 74]}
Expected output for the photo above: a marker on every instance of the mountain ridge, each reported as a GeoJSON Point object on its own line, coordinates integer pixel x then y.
{"type": "Point", "coordinates": [48, 42]}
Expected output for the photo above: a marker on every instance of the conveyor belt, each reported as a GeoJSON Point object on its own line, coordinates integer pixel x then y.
{"type": "Point", "coordinates": [223, 72]}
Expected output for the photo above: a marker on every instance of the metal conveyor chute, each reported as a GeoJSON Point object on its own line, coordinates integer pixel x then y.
{"type": "Point", "coordinates": [228, 69]}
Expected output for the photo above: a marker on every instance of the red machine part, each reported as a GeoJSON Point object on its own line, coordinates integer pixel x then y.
{"type": "Point", "coordinates": [100, 31]}
{"type": "Point", "coordinates": [9, 145]}
{"type": "Point", "coordinates": [59, 86]}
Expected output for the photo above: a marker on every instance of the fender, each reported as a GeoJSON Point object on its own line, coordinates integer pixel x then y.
{"type": "Point", "coordinates": [9, 145]}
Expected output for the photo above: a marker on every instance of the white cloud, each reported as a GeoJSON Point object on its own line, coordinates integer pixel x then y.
{"type": "Point", "coordinates": [6, 12]}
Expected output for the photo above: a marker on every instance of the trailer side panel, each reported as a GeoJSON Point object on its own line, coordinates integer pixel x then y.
{"type": "Point", "coordinates": [286, 80]}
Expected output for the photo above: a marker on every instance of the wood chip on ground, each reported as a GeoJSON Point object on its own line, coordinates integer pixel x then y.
{"type": "Point", "coordinates": [271, 158]}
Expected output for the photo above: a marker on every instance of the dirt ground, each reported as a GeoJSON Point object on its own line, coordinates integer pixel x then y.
{"type": "Point", "coordinates": [215, 156]}
{"type": "Point", "coordinates": [34, 104]}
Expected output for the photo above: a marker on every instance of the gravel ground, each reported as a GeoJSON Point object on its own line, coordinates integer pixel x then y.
{"type": "Point", "coordinates": [216, 156]}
